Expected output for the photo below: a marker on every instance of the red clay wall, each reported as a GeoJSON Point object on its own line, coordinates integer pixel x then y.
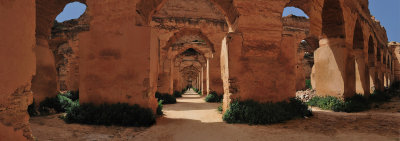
{"type": "Point", "coordinates": [17, 65]}
{"type": "Point", "coordinates": [116, 57]}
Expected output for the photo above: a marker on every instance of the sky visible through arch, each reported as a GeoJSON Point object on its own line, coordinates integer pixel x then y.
{"type": "Point", "coordinates": [386, 11]}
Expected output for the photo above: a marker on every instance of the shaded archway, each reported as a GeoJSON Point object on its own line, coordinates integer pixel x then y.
{"type": "Point", "coordinates": [146, 8]}
{"type": "Point", "coordinates": [54, 46]}
{"type": "Point", "coordinates": [333, 70]}
{"type": "Point", "coordinates": [371, 64]}
{"type": "Point", "coordinates": [296, 27]}
{"type": "Point", "coordinates": [332, 19]}
{"type": "Point", "coordinates": [361, 65]}
{"type": "Point", "coordinates": [180, 45]}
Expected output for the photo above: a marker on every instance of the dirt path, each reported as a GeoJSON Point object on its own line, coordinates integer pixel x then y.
{"type": "Point", "coordinates": [195, 120]}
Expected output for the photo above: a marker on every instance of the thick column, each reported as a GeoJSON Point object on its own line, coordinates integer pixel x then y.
{"type": "Point", "coordinates": [121, 67]}
{"type": "Point", "coordinates": [362, 73]}
{"type": "Point", "coordinates": [261, 64]}
{"type": "Point", "coordinates": [208, 76]}
{"type": "Point", "coordinates": [334, 68]}
{"type": "Point", "coordinates": [372, 80]}
{"type": "Point", "coordinates": [202, 80]}
{"type": "Point", "coordinates": [17, 66]}
{"type": "Point", "coordinates": [171, 77]}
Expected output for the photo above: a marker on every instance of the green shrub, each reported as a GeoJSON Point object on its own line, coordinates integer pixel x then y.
{"type": "Point", "coordinates": [159, 108]}
{"type": "Point", "coordinates": [110, 114]}
{"type": "Point", "coordinates": [32, 109]}
{"type": "Point", "coordinates": [166, 98]}
{"type": "Point", "coordinates": [355, 103]}
{"type": "Point", "coordinates": [57, 104]}
{"type": "Point", "coordinates": [308, 84]}
{"type": "Point", "coordinates": [252, 112]}
{"type": "Point", "coordinates": [73, 95]}
{"type": "Point", "coordinates": [177, 94]}
{"type": "Point", "coordinates": [196, 90]}
{"type": "Point", "coordinates": [379, 96]}
{"type": "Point", "coordinates": [220, 108]}
{"type": "Point", "coordinates": [213, 97]}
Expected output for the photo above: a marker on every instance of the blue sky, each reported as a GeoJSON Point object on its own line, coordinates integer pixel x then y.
{"type": "Point", "coordinates": [386, 11]}
{"type": "Point", "coordinates": [71, 11]}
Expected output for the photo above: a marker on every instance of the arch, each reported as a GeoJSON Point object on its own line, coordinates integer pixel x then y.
{"type": "Point", "coordinates": [332, 19]}
{"type": "Point", "coordinates": [371, 52]}
{"type": "Point", "coordinates": [72, 10]}
{"type": "Point", "coordinates": [378, 54]}
{"type": "Point", "coordinates": [147, 8]}
{"type": "Point", "coordinates": [46, 13]}
{"type": "Point", "coordinates": [188, 32]}
{"type": "Point", "coordinates": [358, 36]}
{"type": "Point", "coordinates": [291, 10]}
{"type": "Point", "coordinates": [361, 67]}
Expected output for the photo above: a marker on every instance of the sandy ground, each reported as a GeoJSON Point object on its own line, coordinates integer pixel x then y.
{"type": "Point", "coordinates": [191, 119]}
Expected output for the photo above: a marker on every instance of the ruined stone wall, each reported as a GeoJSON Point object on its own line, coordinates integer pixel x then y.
{"type": "Point", "coordinates": [395, 46]}
{"type": "Point", "coordinates": [17, 66]}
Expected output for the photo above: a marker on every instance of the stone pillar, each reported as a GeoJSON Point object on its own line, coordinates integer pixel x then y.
{"type": "Point", "coordinates": [362, 73]}
{"type": "Point", "coordinates": [171, 77]}
{"type": "Point", "coordinates": [372, 79]}
{"type": "Point", "coordinates": [17, 66]}
{"type": "Point", "coordinates": [334, 68]}
{"type": "Point", "coordinates": [202, 80]}
{"type": "Point", "coordinates": [208, 76]}
{"type": "Point", "coordinates": [120, 67]}
{"type": "Point", "coordinates": [259, 64]}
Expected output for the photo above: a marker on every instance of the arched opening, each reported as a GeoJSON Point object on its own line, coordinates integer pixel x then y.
{"type": "Point", "coordinates": [57, 48]}
{"type": "Point", "coordinates": [358, 37]}
{"type": "Point", "coordinates": [371, 52]}
{"type": "Point", "coordinates": [196, 26]}
{"type": "Point", "coordinates": [371, 64]}
{"type": "Point", "coordinates": [147, 8]}
{"type": "Point", "coordinates": [296, 25]}
{"type": "Point", "coordinates": [57, 56]}
{"type": "Point", "coordinates": [333, 70]}
{"type": "Point", "coordinates": [71, 11]}
{"type": "Point", "coordinates": [361, 67]}
{"type": "Point", "coordinates": [332, 19]}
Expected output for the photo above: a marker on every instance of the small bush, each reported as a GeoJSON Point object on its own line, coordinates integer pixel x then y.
{"type": "Point", "coordinates": [379, 96]}
{"type": "Point", "coordinates": [213, 97]}
{"type": "Point", "coordinates": [252, 112]}
{"type": "Point", "coordinates": [177, 94]}
{"type": "Point", "coordinates": [57, 104]}
{"type": "Point", "coordinates": [159, 108]}
{"type": "Point", "coordinates": [308, 84]}
{"type": "Point", "coordinates": [110, 114]}
{"type": "Point", "coordinates": [220, 108]}
{"type": "Point", "coordinates": [355, 103]}
{"type": "Point", "coordinates": [73, 95]}
{"type": "Point", "coordinates": [166, 98]}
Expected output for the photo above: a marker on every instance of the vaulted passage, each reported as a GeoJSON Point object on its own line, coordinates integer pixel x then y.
{"type": "Point", "coordinates": [147, 67]}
